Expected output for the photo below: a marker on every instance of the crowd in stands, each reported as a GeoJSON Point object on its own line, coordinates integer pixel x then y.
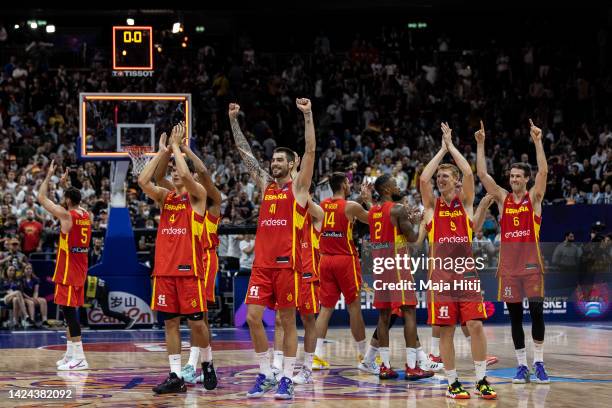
{"type": "Point", "coordinates": [376, 112]}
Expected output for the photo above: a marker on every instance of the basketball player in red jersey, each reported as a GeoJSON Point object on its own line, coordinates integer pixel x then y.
{"type": "Point", "coordinates": [274, 278]}
{"type": "Point", "coordinates": [392, 227]}
{"type": "Point", "coordinates": [520, 267]}
{"type": "Point", "coordinates": [448, 219]}
{"type": "Point", "coordinates": [210, 241]}
{"type": "Point", "coordinates": [70, 265]}
{"type": "Point", "coordinates": [340, 270]}
{"type": "Point", "coordinates": [177, 285]}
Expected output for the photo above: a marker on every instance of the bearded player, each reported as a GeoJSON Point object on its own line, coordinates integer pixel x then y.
{"type": "Point", "coordinates": [177, 285]}
{"type": "Point", "coordinates": [275, 274]}
{"type": "Point", "coordinates": [70, 266]}
{"type": "Point", "coordinates": [520, 268]}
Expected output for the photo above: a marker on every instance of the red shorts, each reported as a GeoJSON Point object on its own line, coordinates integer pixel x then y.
{"type": "Point", "coordinates": [211, 267]}
{"type": "Point", "coordinates": [309, 298]}
{"type": "Point", "coordinates": [513, 289]}
{"type": "Point", "coordinates": [66, 295]}
{"type": "Point", "coordinates": [451, 313]}
{"type": "Point", "coordinates": [395, 300]}
{"type": "Point", "coordinates": [178, 294]}
{"type": "Point", "coordinates": [276, 288]}
{"type": "Point", "coordinates": [339, 274]}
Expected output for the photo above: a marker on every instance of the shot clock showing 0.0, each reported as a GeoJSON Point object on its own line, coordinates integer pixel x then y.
{"type": "Point", "coordinates": [132, 48]}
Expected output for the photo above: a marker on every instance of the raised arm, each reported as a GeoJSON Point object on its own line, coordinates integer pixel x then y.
{"type": "Point", "coordinates": [355, 210]}
{"type": "Point", "coordinates": [157, 193]}
{"type": "Point", "coordinates": [301, 186]}
{"type": "Point", "coordinates": [56, 210]}
{"type": "Point", "coordinates": [162, 167]}
{"type": "Point", "coordinates": [315, 211]}
{"type": "Point", "coordinates": [499, 194]}
{"type": "Point", "coordinates": [408, 221]}
{"type": "Point", "coordinates": [427, 193]}
{"type": "Point", "coordinates": [539, 188]}
{"type": "Point", "coordinates": [481, 211]}
{"type": "Point", "coordinates": [204, 178]}
{"type": "Point", "coordinates": [462, 163]}
{"type": "Point", "coordinates": [259, 175]}
{"type": "Point", "coordinates": [194, 188]}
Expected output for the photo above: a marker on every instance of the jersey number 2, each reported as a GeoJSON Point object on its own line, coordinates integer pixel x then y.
{"type": "Point", "coordinates": [377, 228]}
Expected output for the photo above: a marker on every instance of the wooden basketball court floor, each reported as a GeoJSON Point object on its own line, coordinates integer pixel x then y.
{"type": "Point", "coordinates": [124, 365]}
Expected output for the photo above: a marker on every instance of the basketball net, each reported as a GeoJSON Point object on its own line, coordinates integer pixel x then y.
{"type": "Point", "coordinates": [139, 157]}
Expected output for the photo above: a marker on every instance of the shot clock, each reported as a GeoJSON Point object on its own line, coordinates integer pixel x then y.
{"type": "Point", "coordinates": [132, 51]}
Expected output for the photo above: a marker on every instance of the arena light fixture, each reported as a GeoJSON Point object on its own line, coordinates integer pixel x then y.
{"type": "Point", "coordinates": [16, 26]}
{"type": "Point", "coordinates": [33, 25]}
{"type": "Point", "coordinates": [130, 21]}
{"type": "Point", "coordinates": [50, 28]}
{"type": "Point", "coordinates": [176, 27]}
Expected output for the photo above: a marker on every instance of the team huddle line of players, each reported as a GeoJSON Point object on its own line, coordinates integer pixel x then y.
{"type": "Point", "coordinates": [305, 259]}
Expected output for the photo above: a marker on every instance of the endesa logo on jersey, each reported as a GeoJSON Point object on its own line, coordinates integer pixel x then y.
{"type": "Point", "coordinates": [272, 222]}
{"type": "Point", "coordinates": [453, 240]}
{"type": "Point", "coordinates": [518, 234]}
{"type": "Point", "coordinates": [174, 231]}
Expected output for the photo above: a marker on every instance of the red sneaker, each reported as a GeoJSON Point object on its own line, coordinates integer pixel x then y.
{"type": "Point", "coordinates": [492, 360]}
{"type": "Point", "coordinates": [386, 373]}
{"type": "Point", "coordinates": [435, 359]}
{"type": "Point", "coordinates": [416, 373]}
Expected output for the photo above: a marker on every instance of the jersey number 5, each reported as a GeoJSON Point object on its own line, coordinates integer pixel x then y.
{"type": "Point", "coordinates": [329, 219]}
{"type": "Point", "coordinates": [83, 235]}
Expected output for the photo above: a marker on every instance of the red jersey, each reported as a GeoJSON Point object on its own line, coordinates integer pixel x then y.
{"type": "Point", "coordinates": [519, 251]}
{"type": "Point", "coordinates": [278, 229]}
{"type": "Point", "coordinates": [72, 252]}
{"type": "Point", "coordinates": [449, 234]}
{"type": "Point", "coordinates": [337, 230]}
{"type": "Point", "coordinates": [178, 246]}
{"type": "Point", "coordinates": [31, 231]}
{"type": "Point", "coordinates": [310, 251]}
{"type": "Point", "coordinates": [210, 239]}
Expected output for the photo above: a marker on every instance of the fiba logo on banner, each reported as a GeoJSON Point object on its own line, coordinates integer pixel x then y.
{"type": "Point", "coordinates": [126, 303]}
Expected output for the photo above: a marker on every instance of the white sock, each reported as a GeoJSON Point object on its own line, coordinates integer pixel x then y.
{"type": "Point", "coordinates": [194, 357]}
{"type": "Point", "coordinates": [175, 364]}
{"type": "Point", "coordinates": [308, 357]}
{"type": "Point", "coordinates": [77, 350]}
{"type": "Point", "coordinates": [320, 350]}
{"type": "Point", "coordinates": [288, 367]}
{"type": "Point", "coordinates": [421, 356]}
{"type": "Point", "coordinates": [538, 352]}
{"type": "Point", "coordinates": [521, 356]}
{"type": "Point", "coordinates": [411, 357]}
{"type": "Point", "coordinates": [69, 349]}
{"type": "Point", "coordinates": [206, 354]}
{"type": "Point", "coordinates": [451, 376]}
{"type": "Point", "coordinates": [361, 347]}
{"type": "Point", "coordinates": [264, 363]}
{"type": "Point", "coordinates": [370, 354]}
{"type": "Point", "coordinates": [278, 359]}
{"type": "Point", "coordinates": [468, 339]}
{"type": "Point", "coordinates": [385, 356]}
{"type": "Point", "coordinates": [435, 346]}
{"type": "Point", "coordinates": [481, 369]}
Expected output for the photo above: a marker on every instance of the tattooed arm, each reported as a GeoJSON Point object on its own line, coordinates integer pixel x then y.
{"type": "Point", "coordinates": [259, 175]}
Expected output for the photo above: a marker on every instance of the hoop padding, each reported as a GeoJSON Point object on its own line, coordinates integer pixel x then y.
{"type": "Point", "coordinates": [139, 157]}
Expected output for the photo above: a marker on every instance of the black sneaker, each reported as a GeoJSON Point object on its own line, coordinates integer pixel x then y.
{"type": "Point", "coordinates": [130, 324]}
{"type": "Point", "coordinates": [172, 384]}
{"type": "Point", "coordinates": [209, 376]}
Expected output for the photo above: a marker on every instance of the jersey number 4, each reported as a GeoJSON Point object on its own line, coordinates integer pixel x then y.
{"type": "Point", "coordinates": [329, 219]}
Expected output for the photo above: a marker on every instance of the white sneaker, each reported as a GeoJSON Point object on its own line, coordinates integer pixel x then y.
{"type": "Point", "coordinates": [303, 377]}
{"type": "Point", "coordinates": [63, 361]}
{"type": "Point", "coordinates": [74, 365]}
{"type": "Point", "coordinates": [428, 365]}
{"type": "Point", "coordinates": [369, 367]}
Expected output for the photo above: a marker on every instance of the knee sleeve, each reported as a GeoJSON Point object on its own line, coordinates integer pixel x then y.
{"type": "Point", "coordinates": [516, 321]}
{"type": "Point", "coordinates": [536, 311]}
{"type": "Point", "coordinates": [72, 320]}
